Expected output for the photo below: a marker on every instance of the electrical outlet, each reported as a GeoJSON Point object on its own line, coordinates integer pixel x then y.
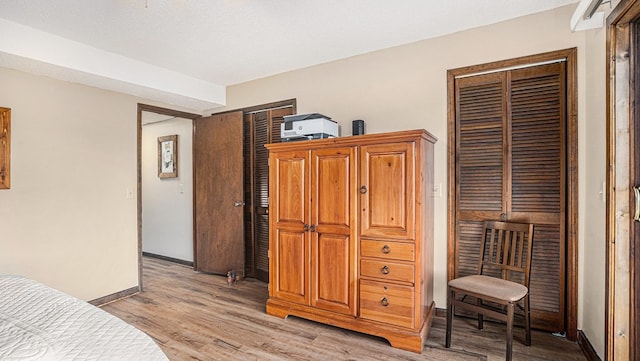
{"type": "Point", "coordinates": [436, 190]}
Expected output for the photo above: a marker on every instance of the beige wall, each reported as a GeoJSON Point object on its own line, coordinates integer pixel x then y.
{"type": "Point", "coordinates": [592, 247]}
{"type": "Point", "coordinates": [66, 221]}
{"type": "Point", "coordinates": [405, 88]}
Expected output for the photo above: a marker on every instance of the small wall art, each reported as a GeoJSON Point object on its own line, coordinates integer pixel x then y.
{"type": "Point", "coordinates": [168, 156]}
{"type": "Point", "coordinates": [5, 147]}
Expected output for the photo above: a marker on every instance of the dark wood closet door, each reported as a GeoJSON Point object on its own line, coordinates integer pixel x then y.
{"type": "Point", "coordinates": [511, 152]}
{"type": "Point", "coordinates": [262, 127]}
{"type": "Point", "coordinates": [218, 193]}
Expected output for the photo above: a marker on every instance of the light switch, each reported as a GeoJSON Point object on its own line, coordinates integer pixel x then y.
{"type": "Point", "coordinates": [436, 190]}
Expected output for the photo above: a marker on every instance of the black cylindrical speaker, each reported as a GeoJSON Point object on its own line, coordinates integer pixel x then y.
{"type": "Point", "coordinates": [358, 127]}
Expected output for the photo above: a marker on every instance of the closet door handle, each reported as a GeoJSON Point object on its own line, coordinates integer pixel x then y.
{"type": "Point", "coordinates": [636, 214]}
{"type": "Point", "coordinates": [363, 189]}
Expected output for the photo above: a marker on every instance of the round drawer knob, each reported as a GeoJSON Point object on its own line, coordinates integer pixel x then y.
{"type": "Point", "coordinates": [385, 270]}
{"type": "Point", "coordinates": [386, 249]}
{"type": "Point", "coordinates": [384, 302]}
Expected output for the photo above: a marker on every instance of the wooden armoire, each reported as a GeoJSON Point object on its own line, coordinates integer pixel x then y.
{"type": "Point", "coordinates": [351, 233]}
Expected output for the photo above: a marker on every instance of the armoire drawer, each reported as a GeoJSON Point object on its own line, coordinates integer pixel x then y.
{"type": "Point", "coordinates": [386, 270]}
{"type": "Point", "coordinates": [387, 250]}
{"type": "Point", "coordinates": [387, 303]}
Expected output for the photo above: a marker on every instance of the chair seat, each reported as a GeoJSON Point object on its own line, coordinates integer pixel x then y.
{"type": "Point", "coordinates": [490, 287]}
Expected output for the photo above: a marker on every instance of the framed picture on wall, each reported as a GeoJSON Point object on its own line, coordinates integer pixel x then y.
{"type": "Point", "coordinates": [168, 156]}
{"type": "Point", "coordinates": [5, 147]}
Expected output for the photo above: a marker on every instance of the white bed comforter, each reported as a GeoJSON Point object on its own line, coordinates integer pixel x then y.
{"type": "Point", "coordinates": [40, 323]}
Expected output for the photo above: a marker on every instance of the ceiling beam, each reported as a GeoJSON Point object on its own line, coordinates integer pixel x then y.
{"type": "Point", "coordinates": [28, 49]}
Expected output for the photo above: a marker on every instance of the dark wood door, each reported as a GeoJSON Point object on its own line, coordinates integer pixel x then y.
{"type": "Point", "coordinates": [511, 165]}
{"type": "Point", "coordinates": [218, 193]}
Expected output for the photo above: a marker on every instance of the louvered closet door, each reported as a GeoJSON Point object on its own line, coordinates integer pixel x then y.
{"type": "Point", "coordinates": [260, 128]}
{"type": "Point", "coordinates": [510, 146]}
{"type": "Point", "coordinates": [260, 195]}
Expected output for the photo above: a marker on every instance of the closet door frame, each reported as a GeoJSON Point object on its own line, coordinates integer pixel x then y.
{"type": "Point", "coordinates": [570, 56]}
{"type": "Point", "coordinates": [622, 317]}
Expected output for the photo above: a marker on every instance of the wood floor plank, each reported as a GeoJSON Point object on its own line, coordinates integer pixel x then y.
{"type": "Point", "coordinates": [195, 316]}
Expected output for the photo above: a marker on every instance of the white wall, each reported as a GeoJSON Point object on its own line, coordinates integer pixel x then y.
{"type": "Point", "coordinates": [406, 88]}
{"type": "Point", "coordinates": [167, 204]}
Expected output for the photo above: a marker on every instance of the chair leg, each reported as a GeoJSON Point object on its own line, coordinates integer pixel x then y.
{"type": "Point", "coordinates": [450, 296]}
{"type": "Point", "coordinates": [527, 321]}
{"type": "Point", "coordinates": [509, 331]}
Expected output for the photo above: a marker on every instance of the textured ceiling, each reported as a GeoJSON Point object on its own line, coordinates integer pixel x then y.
{"type": "Point", "coordinates": [230, 41]}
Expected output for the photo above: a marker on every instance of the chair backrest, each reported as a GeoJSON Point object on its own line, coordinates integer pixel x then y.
{"type": "Point", "coordinates": [506, 251]}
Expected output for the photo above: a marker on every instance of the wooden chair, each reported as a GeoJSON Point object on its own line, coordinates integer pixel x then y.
{"type": "Point", "coordinates": [502, 280]}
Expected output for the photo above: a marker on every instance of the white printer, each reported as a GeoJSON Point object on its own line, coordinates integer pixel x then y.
{"type": "Point", "coordinates": [308, 126]}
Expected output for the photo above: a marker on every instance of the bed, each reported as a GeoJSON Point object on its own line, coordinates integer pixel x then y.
{"type": "Point", "coordinates": [40, 323]}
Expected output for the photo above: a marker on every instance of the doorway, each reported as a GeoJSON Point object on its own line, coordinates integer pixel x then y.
{"type": "Point", "coordinates": [167, 198]}
{"type": "Point", "coordinates": [261, 125]}
{"type": "Point", "coordinates": [150, 114]}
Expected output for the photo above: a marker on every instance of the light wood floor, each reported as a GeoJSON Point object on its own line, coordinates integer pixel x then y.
{"type": "Point", "coordinates": [196, 316]}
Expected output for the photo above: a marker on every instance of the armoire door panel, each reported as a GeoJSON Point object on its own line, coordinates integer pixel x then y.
{"type": "Point", "coordinates": [333, 208]}
{"type": "Point", "coordinates": [332, 273]}
{"type": "Point", "coordinates": [291, 253]}
{"type": "Point", "coordinates": [333, 175]}
{"type": "Point", "coordinates": [387, 190]}
{"type": "Point", "coordinates": [291, 196]}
